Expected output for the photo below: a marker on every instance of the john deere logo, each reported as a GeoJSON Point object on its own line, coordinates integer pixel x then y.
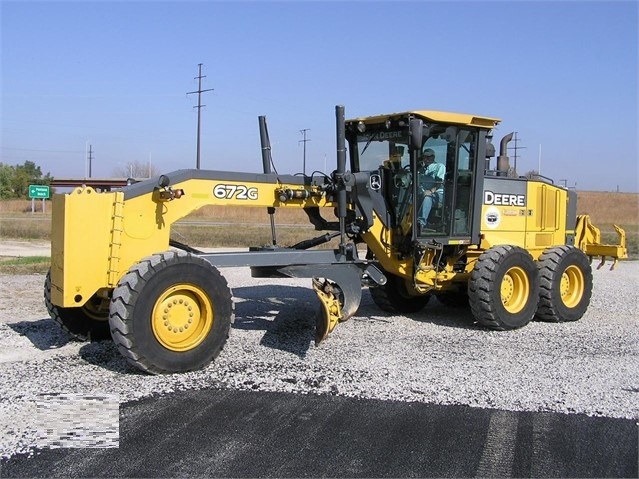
{"type": "Point", "coordinates": [503, 199]}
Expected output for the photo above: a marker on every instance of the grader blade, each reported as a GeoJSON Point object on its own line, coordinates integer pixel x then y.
{"type": "Point", "coordinates": [330, 311]}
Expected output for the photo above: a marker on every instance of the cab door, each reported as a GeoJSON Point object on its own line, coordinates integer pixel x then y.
{"type": "Point", "coordinates": [455, 148]}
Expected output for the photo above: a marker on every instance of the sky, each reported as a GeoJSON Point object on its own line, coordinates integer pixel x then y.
{"type": "Point", "coordinates": [115, 75]}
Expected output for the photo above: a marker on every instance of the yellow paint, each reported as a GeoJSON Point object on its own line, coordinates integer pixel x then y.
{"type": "Point", "coordinates": [97, 237]}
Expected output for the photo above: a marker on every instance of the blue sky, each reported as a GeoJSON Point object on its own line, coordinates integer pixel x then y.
{"type": "Point", "coordinates": [115, 75]}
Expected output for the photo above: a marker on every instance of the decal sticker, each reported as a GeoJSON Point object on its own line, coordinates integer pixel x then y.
{"type": "Point", "coordinates": [238, 192]}
{"type": "Point", "coordinates": [503, 199]}
{"type": "Point", "coordinates": [492, 218]}
{"type": "Point", "coordinates": [375, 182]}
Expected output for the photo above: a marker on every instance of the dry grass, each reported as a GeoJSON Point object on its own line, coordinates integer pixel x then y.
{"type": "Point", "coordinates": [607, 208]}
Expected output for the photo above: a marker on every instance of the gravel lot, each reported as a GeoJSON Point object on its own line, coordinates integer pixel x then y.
{"type": "Point", "coordinates": [436, 356]}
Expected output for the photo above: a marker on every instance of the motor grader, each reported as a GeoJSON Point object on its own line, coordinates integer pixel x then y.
{"type": "Point", "coordinates": [510, 248]}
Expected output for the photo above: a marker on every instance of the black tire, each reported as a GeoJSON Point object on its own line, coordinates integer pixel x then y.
{"type": "Point", "coordinates": [158, 301]}
{"type": "Point", "coordinates": [394, 298]}
{"type": "Point", "coordinates": [504, 288]}
{"type": "Point", "coordinates": [88, 322]}
{"type": "Point", "coordinates": [454, 299]}
{"type": "Point", "coordinates": [565, 284]}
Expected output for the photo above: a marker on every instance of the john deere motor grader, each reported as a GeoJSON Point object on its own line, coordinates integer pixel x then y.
{"type": "Point", "coordinates": [510, 248]}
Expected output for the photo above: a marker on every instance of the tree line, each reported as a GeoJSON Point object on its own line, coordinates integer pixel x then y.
{"type": "Point", "coordinates": [15, 180]}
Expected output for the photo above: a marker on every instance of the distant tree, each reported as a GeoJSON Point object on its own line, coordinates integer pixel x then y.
{"type": "Point", "coordinates": [6, 175]}
{"type": "Point", "coordinates": [135, 169]}
{"type": "Point", "coordinates": [15, 180]}
{"type": "Point", "coordinates": [532, 174]}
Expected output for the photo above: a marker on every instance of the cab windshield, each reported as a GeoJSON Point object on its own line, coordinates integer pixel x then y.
{"type": "Point", "coordinates": [377, 148]}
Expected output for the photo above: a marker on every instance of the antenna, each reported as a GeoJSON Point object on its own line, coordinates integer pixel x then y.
{"type": "Point", "coordinates": [199, 106]}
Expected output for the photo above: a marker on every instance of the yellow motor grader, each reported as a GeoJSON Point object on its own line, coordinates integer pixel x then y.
{"type": "Point", "coordinates": [509, 248]}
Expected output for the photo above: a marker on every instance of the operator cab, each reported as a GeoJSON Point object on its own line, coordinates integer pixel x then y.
{"type": "Point", "coordinates": [405, 175]}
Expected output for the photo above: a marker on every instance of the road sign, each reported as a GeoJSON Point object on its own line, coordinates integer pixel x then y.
{"type": "Point", "coordinates": [38, 191]}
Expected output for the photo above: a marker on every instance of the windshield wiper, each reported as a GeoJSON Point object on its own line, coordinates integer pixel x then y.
{"type": "Point", "coordinates": [369, 142]}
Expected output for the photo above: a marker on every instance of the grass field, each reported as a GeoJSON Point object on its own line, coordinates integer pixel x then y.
{"type": "Point", "coordinates": [242, 227]}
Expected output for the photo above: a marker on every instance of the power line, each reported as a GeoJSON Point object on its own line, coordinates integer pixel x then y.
{"type": "Point", "coordinates": [199, 106]}
{"type": "Point", "coordinates": [303, 132]}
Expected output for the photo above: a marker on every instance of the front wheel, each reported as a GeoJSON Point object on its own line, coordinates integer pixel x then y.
{"type": "Point", "coordinates": [171, 312]}
{"type": "Point", "coordinates": [504, 288]}
{"type": "Point", "coordinates": [565, 284]}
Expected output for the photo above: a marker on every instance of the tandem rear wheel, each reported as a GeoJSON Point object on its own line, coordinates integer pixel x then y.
{"type": "Point", "coordinates": [171, 312]}
{"type": "Point", "coordinates": [503, 291]}
{"type": "Point", "coordinates": [565, 277]}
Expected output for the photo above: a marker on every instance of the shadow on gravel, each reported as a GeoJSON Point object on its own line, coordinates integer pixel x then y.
{"type": "Point", "coordinates": [286, 314]}
{"type": "Point", "coordinates": [438, 313]}
{"type": "Point", "coordinates": [435, 312]}
{"type": "Point", "coordinates": [44, 334]}
{"type": "Point", "coordinates": [105, 354]}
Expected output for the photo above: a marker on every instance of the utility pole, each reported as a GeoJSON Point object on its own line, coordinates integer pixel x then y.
{"type": "Point", "coordinates": [199, 106]}
{"type": "Point", "coordinates": [90, 158]}
{"type": "Point", "coordinates": [303, 132]}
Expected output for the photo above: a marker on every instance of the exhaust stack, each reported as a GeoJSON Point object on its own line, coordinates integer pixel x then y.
{"type": "Point", "coordinates": [503, 162]}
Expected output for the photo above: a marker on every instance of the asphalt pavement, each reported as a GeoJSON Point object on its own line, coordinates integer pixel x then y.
{"type": "Point", "coordinates": [226, 433]}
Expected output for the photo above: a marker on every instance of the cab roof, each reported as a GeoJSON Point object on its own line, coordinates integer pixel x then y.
{"type": "Point", "coordinates": [436, 117]}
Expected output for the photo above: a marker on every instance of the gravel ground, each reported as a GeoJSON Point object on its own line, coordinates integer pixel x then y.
{"type": "Point", "coordinates": [436, 356]}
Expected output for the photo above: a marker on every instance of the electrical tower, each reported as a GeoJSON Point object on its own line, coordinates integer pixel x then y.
{"type": "Point", "coordinates": [303, 132]}
{"type": "Point", "coordinates": [90, 158]}
{"type": "Point", "coordinates": [199, 106]}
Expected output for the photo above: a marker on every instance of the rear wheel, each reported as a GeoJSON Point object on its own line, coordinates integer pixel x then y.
{"type": "Point", "coordinates": [172, 312]}
{"type": "Point", "coordinates": [88, 322]}
{"type": "Point", "coordinates": [504, 288]}
{"type": "Point", "coordinates": [565, 279]}
{"type": "Point", "coordinates": [394, 297]}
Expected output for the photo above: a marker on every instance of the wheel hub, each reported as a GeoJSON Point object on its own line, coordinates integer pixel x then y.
{"type": "Point", "coordinates": [571, 286]}
{"type": "Point", "coordinates": [514, 290]}
{"type": "Point", "coordinates": [182, 318]}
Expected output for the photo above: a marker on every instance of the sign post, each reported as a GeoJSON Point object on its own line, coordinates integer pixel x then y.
{"type": "Point", "coordinates": [38, 191]}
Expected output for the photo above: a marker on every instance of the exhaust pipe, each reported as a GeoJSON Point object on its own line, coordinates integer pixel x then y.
{"type": "Point", "coordinates": [503, 162]}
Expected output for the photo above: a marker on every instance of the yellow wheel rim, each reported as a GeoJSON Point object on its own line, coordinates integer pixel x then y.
{"type": "Point", "coordinates": [515, 289]}
{"type": "Point", "coordinates": [182, 317]}
{"type": "Point", "coordinates": [572, 286]}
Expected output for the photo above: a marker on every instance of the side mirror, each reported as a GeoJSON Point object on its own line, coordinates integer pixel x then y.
{"type": "Point", "coordinates": [416, 130]}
